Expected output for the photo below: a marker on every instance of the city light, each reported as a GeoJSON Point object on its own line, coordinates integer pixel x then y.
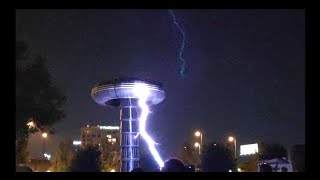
{"type": "Point", "coordinates": [198, 134]}
{"type": "Point", "coordinates": [114, 139]}
{"type": "Point", "coordinates": [76, 142]}
{"type": "Point", "coordinates": [112, 170]}
{"type": "Point", "coordinates": [231, 138]}
{"type": "Point", "coordinates": [31, 124]}
{"type": "Point", "coordinates": [248, 149]}
{"type": "Point", "coordinates": [44, 135]}
{"type": "Point", "coordinates": [109, 127]}
{"type": "Point", "coordinates": [48, 156]}
{"type": "Point", "coordinates": [196, 144]}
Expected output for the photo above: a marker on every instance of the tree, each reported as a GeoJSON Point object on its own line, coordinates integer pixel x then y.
{"type": "Point", "coordinates": [61, 161]}
{"type": "Point", "coordinates": [87, 160]}
{"type": "Point", "coordinates": [110, 155]}
{"type": "Point", "coordinates": [217, 158]}
{"type": "Point", "coordinates": [188, 154]}
{"type": "Point", "coordinates": [250, 165]}
{"type": "Point", "coordinates": [36, 96]}
{"type": "Point", "coordinates": [22, 154]}
{"type": "Point", "coordinates": [271, 151]}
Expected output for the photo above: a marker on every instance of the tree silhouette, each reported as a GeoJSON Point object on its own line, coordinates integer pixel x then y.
{"type": "Point", "coordinates": [110, 155]}
{"type": "Point", "coordinates": [61, 161]}
{"type": "Point", "coordinates": [271, 151]}
{"type": "Point", "coordinates": [22, 154]}
{"type": "Point", "coordinates": [36, 96]}
{"type": "Point", "coordinates": [251, 164]}
{"type": "Point", "coordinates": [188, 154]}
{"type": "Point", "coordinates": [217, 158]}
{"type": "Point", "coordinates": [87, 160]}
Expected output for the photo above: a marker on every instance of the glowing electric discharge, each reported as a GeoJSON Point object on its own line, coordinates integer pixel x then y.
{"type": "Point", "coordinates": [182, 67]}
{"type": "Point", "coordinates": [142, 92]}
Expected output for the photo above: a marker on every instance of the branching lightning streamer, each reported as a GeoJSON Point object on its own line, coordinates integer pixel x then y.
{"type": "Point", "coordinates": [182, 67]}
{"type": "Point", "coordinates": [142, 92]}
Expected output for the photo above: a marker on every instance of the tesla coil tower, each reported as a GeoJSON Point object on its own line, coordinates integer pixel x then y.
{"type": "Point", "coordinates": [122, 93]}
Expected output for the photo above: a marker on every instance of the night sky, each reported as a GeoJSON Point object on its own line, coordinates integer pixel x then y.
{"type": "Point", "coordinates": [245, 70]}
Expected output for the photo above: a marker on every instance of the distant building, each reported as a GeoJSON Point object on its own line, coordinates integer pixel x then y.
{"type": "Point", "coordinates": [92, 135]}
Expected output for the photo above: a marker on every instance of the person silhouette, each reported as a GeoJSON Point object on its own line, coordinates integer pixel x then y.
{"type": "Point", "coordinates": [284, 169]}
{"type": "Point", "coordinates": [173, 165]}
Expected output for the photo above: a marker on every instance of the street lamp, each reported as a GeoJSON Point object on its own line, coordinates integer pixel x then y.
{"type": "Point", "coordinates": [198, 145]}
{"type": "Point", "coordinates": [235, 145]}
{"type": "Point", "coordinates": [197, 134]}
{"type": "Point", "coordinates": [44, 136]}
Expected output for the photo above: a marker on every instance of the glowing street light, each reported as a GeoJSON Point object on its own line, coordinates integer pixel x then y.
{"type": "Point", "coordinates": [198, 146]}
{"type": "Point", "coordinates": [232, 139]}
{"type": "Point", "coordinates": [44, 136]}
{"type": "Point", "coordinates": [112, 170]}
{"type": "Point", "coordinates": [199, 134]}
